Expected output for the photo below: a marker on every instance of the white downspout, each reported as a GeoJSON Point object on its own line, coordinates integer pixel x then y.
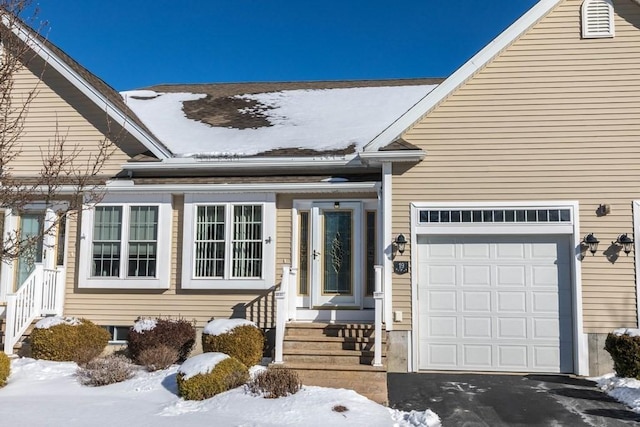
{"type": "Point", "coordinates": [387, 215]}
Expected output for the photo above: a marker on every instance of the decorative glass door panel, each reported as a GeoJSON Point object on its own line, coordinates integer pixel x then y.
{"type": "Point", "coordinates": [337, 271]}
{"type": "Point", "coordinates": [31, 225]}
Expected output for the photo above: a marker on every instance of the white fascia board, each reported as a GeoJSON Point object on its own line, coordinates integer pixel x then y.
{"type": "Point", "coordinates": [463, 73]}
{"type": "Point", "coordinates": [245, 163]}
{"type": "Point", "coordinates": [392, 156]}
{"type": "Point", "coordinates": [311, 187]}
{"type": "Point", "coordinates": [87, 89]}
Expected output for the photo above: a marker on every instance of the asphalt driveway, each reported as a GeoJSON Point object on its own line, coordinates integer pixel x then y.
{"type": "Point", "coordinates": [472, 400]}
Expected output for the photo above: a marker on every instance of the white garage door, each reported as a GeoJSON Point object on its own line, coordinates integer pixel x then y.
{"type": "Point", "coordinates": [495, 303]}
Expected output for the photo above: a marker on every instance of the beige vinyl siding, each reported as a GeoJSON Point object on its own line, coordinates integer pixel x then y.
{"type": "Point", "coordinates": [553, 117]}
{"type": "Point", "coordinates": [59, 110]}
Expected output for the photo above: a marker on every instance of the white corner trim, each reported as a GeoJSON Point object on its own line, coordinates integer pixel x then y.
{"type": "Point", "coordinates": [387, 246]}
{"type": "Point", "coordinates": [87, 89]}
{"type": "Point", "coordinates": [467, 70]}
{"type": "Point", "coordinates": [636, 248]}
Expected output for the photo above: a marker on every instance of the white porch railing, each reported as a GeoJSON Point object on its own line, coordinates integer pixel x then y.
{"type": "Point", "coordinates": [285, 298]}
{"type": "Point", "coordinates": [41, 294]}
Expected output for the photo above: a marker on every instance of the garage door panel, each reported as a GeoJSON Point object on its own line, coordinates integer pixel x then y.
{"type": "Point", "coordinates": [442, 301]}
{"type": "Point", "coordinates": [511, 301]}
{"type": "Point", "coordinates": [441, 275]}
{"type": "Point", "coordinates": [511, 327]}
{"type": "Point", "coordinates": [480, 251]}
{"type": "Point", "coordinates": [441, 355]}
{"type": "Point", "coordinates": [498, 303]}
{"type": "Point", "coordinates": [476, 301]}
{"type": "Point", "coordinates": [476, 275]}
{"type": "Point", "coordinates": [477, 356]}
{"type": "Point", "coordinates": [511, 275]}
{"type": "Point", "coordinates": [546, 329]}
{"type": "Point", "coordinates": [442, 326]}
{"type": "Point", "coordinates": [510, 251]}
{"type": "Point", "coordinates": [545, 275]}
{"type": "Point", "coordinates": [476, 327]}
{"type": "Point", "coordinates": [514, 357]}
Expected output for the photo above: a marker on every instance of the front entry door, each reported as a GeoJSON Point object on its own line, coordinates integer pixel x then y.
{"type": "Point", "coordinates": [31, 225]}
{"type": "Point", "coordinates": [336, 255]}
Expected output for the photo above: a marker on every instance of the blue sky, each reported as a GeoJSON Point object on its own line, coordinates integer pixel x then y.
{"type": "Point", "coordinates": [137, 43]}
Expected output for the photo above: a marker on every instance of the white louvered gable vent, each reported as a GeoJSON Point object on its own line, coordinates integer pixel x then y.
{"type": "Point", "coordinates": [597, 19]}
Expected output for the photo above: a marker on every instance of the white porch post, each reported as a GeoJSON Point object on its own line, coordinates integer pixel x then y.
{"type": "Point", "coordinates": [281, 313]}
{"type": "Point", "coordinates": [6, 273]}
{"type": "Point", "coordinates": [378, 296]}
{"type": "Point", "coordinates": [387, 231]}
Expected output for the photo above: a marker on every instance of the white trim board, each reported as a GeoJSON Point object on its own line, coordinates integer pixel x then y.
{"type": "Point", "coordinates": [636, 248]}
{"type": "Point", "coordinates": [463, 73]}
{"type": "Point", "coordinates": [580, 343]}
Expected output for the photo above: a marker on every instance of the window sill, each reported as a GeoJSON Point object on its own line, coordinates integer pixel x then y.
{"type": "Point", "coordinates": [242, 285]}
{"type": "Point", "coordinates": [113, 283]}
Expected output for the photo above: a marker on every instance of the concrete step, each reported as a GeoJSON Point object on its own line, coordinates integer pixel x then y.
{"type": "Point", "coordinates": [329, 357]}
{"type": "Point", "coordinates": [344, 330]}
{"type": "Point", "coordinates": [329, 343]}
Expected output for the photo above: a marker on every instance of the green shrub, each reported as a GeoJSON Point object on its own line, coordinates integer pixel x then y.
{"type": "Point", "coordinates": [146, 334]}
{"type": "Point", "coordinates": [273, 383]}
{"type": "Point", "coordinates": [68, 339]}
{"type": "Point", "coordinates": [238, 338]}
{"type": "Point", "coordinates": [5, 368]}
{"type": "Point", "coordinates": [105, 370]}
{"type": "Point", "coordinates": [224, 374]}
{"type": "Point", "coordinates": [625, 352]}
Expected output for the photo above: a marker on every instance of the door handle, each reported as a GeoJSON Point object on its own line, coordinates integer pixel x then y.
{"type": "Point", "coordinates": [315, 254]}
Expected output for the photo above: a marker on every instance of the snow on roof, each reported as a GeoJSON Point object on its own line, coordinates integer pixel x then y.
{"type": "Point", "coordinates": [201, 364]}
{"type": "Point", "coordinates": [306, 119]}
{"type": "Point", "coordinates": [223, 326]}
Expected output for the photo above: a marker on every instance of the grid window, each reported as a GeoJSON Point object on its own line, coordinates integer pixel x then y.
{"type": "Point", "coordinates": [247, 241]}
{"type": "Point", "coordinates": [128, 233]}
{"type": "Point", "coordinates": [495, 215]}
{"type": "Point", "coordinates": [107, 241]}
{"type": "Point", "coordinates": [143, 241]}
{"type": "Point", "coordinates": [229, 241]}
{"type": "Point", "coordinates": [209, 242]}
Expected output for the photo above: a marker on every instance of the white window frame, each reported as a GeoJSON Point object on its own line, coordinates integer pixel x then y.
{"type": "Point", "coordinates": [191, 203]}
{"type": "Point", "coordinates": [163, 261]}
{"type": "Point", "coordinates": [587, 33]}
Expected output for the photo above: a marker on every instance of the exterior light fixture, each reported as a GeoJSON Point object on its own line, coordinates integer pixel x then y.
{"type": "Point", "coordinates": [401, 243]}
{"type": "Point", "coordinates": [591, 242]}
{"type": "Point", "coordinates": [626, 242]}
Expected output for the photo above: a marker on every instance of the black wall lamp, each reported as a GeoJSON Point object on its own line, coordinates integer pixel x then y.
{"type": "Point", "coordinates": [626, 242]}
{"type": "Point", "coordinates": [591, 242]}
{"type": "Point", "coordinates": [401, 243]}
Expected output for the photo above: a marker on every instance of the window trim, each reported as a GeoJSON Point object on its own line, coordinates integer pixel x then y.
{"type": "Point", "coordinates": [163, 261]}
{"type": "Point", "coordinates": [191, 202]}
{"type": "Point", "coordinates": [587, 32]}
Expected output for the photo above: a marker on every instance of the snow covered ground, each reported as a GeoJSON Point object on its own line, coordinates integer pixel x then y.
{"type": "Point", "coordinates": [42, 393]}
{"type": "Point", "coordinates": [625, 390]}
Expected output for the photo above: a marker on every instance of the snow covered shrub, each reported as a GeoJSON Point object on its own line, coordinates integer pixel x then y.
{"type": "Point", "coordinates": [67, 339]}
{"type": "Point", "coordinates": [5, 368]}
{"type": "Point", "coordinates": [160, 357]}
{"type": "Point", "coordinates": [105, 370]}
{"type": "Point", "coordinates": [205, 375]}
{"type": "Point", "coordinates": [177, 334]}
{"type": "Point", "coordinates": [273, 383]}
{"type": "Point", "coordinates": [239, 338]}
{"type": "Point", "coordinates": [624, 347]}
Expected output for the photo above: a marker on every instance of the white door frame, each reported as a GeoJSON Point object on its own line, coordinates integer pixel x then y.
{"type": "Point", "coordinates": [361, 206]}
{"type": "Point", "coordinates": [572, 228]}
